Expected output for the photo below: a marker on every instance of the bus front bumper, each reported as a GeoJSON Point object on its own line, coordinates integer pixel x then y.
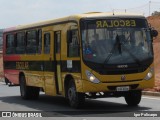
{"type": "Point", "coordinates": [109, 87]}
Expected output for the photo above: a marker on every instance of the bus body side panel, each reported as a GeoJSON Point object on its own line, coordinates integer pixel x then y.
{"type": "Point", "coordinates": [12, 76]}
{"type": "Point", "coordinates": [39, 74]}
{"type": "Point", "coordinates": [31, 67]}
{"type": "Point", "coordinates": [70, 66]}
{"type": "Point", "coordinates": [10, 68]}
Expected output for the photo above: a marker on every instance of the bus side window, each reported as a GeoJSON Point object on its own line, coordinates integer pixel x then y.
{"type": "Point", "coordinates": [57, 37]}
{"type": "Point", "coordinates": [20, 43]}
{"type": "Point", "coordinates": [10, 44]}
{"type": "Point", "coordinates": [39, 41]}
{"type": "Point", "coordinates": [31, 47]}
{"type": "Point", "coordinates": [47, 43]}
{"type": "Point", "coordinates": [73, 45]}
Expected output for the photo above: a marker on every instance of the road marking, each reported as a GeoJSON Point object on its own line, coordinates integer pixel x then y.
{"type": "Point", "coordinates": [151, 97]}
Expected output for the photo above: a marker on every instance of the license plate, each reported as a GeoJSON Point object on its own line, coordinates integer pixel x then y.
{"type": "Point", "coordinates": [122, 88]}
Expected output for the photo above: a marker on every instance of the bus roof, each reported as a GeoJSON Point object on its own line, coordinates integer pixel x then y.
{"type": "Point", "coordinates": [73, 18]}
{"type": "Point", "coordinates": [110, 14]}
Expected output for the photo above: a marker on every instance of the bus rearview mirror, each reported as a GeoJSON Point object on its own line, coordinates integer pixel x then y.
{"type": "Point", "coordinates": [154, 33]}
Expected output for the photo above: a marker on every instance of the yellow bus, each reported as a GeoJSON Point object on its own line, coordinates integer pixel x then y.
{"type": "Point", "coordinates": [91, 55]}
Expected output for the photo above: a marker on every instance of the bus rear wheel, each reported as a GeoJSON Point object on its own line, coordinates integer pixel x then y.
{"type": "Point", "coordinates": [133, 98]}
{"type": "Point", "coordinates": [28, 92]}
{"type": "Point", "coordinates": [75, 98]}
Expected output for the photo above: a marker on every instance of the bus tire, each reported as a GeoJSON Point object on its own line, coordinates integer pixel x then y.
{"type": "Point", "coordinates": [75, 98]}
{"type": "Point", "coordinates": [133, 98]}
{"type": "Point", "coordinates": [28, 92]}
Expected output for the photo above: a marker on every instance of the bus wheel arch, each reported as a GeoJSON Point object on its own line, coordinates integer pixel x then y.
{"type": "Point", "coordinates": [27, 92]}
{"type": "Point", "coordinates": [74, 98]}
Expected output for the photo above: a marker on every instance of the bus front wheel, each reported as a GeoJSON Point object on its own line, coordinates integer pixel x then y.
{"type": "Point", "coordinates": [133, 98]}
{"type": "Point", "coordinates": [75, 98]}
{"type": "Point", "coordinates": [28, 92]}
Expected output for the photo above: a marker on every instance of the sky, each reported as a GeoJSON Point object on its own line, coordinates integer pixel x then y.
{"type": "Point", "coordinates": [19, 12]}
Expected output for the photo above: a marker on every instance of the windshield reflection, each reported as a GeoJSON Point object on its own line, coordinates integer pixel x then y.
{"type": "Point", "coordinates": [116, 45]}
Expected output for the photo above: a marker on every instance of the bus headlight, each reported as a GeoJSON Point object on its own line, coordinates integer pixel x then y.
{"type": "Point", "coordinates": [91, 77]}
{"type": "Point", "coordinates": [149, 74]}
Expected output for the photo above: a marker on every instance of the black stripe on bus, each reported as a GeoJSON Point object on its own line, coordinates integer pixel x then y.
{"type": "Point", "coordinates": [48, 66]}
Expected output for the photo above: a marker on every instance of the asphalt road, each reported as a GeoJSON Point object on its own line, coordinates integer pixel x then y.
{"type": "Point", "coordinates": [49, 106]}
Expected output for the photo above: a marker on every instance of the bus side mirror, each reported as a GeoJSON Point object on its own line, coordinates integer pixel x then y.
{"type": "Point", "coordinates": [154, 33]}
{"type": "Point", "coordinates": [69, 36]}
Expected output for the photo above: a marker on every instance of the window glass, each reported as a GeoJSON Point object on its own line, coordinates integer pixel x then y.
{"type": "Point", "coordinates": [116, 44]}
{"type": "Point", "coordinates": [39, 41]}
{"type": "Point", "coordinates": [73, 47]}
{"type": "Point", "coordinates": [31, 42]}
{"type": "Point", "coordinates": [20, 43]}
{"type": "Point", "coordinates": [10, 44]}
{"type": "Point", "coordinates": [57, 35]}
{"type": "Point", "coordinates": [47, 43]}
{"type": "Point", "coordinates": [20, 39]}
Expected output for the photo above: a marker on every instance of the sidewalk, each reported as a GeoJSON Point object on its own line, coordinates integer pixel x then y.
{"type": "Point", "coordinates": [150, 93]}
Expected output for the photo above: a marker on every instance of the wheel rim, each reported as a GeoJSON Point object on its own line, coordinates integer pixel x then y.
{"type": "Point", "coordinates": [71, 94]}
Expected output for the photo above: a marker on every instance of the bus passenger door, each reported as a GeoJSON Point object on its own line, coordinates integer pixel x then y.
{"type": "Point", "coordinates": [48, 63]}
{"type": "Point", "coordinates": [57, 57]}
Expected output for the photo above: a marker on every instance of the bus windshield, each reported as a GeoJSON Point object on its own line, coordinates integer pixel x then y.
{"type": "Point", "coordinates": [112, 41]}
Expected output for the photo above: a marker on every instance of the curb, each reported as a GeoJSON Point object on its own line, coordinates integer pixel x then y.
{"type": "Point", "coordinates": [151, 93]}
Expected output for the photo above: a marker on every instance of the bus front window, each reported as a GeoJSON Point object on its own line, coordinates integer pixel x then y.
{"type": "Point", "coordinates": [116, 43]}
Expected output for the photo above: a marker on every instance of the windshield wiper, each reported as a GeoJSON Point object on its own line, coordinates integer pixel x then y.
{"type": "Point", "coordinates": [132, 55]}
{"type": "Point", "coordinates": [118, 45]}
